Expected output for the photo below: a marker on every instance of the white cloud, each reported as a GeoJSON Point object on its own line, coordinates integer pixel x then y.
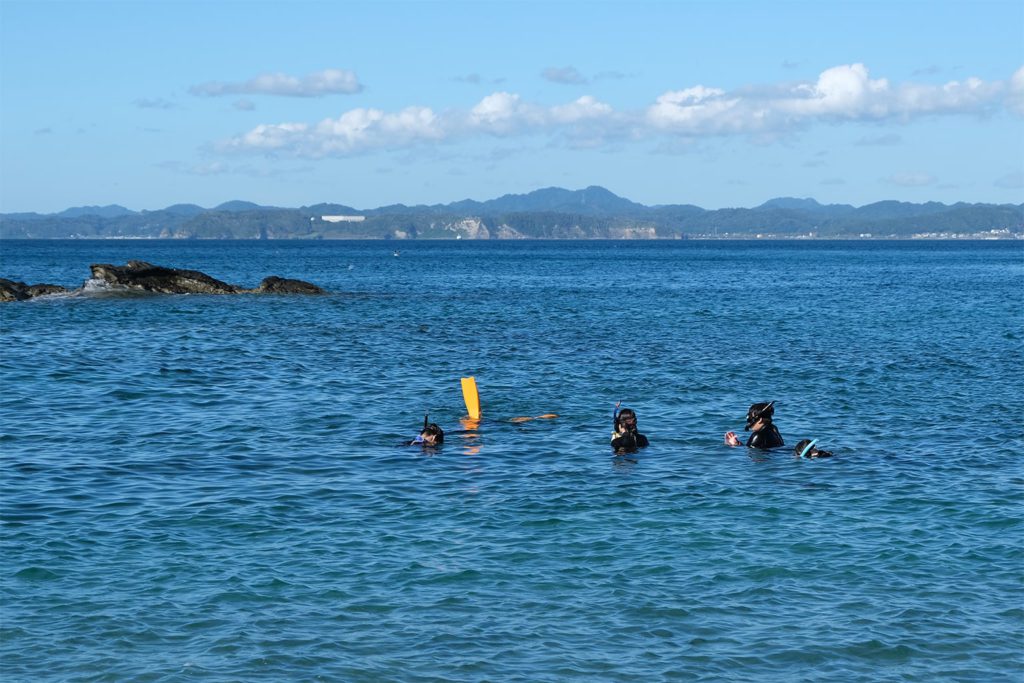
{"type": "Point", "coordinates": [354, 131]}
{"type": "Point", "coordinates": [495, 109]}
{"type": "Point", "coordinates": [694, 110]}
{"type": "Point", "coordinates": [842, 91]}
{"type": "Point", "coordinates": [972, 95]}
{"type": "Point", "coordinates": [503, 113]}
{"type": "Point", "coordinates": [326, 82]}
{"type": "Point", "coordinates": [585, 108]}
{"type": "Point", "coordinates": [839, 95]}
{"type": "Point", "coordinates": [271, 137]}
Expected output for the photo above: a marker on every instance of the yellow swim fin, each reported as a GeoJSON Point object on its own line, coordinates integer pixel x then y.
{"type": "Point", "coordinates": [471, 397]}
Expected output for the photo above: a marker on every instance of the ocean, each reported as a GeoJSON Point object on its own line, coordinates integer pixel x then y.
{"type": "Point", "coordinates": [213, 488]}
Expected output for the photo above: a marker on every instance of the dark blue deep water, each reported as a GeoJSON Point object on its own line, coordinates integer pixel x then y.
{"type": "Point", "coordinates": [209, 488]}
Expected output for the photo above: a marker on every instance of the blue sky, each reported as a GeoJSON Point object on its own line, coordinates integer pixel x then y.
{"type": "Point", "coordinates": [717, 104]}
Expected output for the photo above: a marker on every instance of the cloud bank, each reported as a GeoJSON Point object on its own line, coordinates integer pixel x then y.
{"type": "Point", "coordinates": [318, 84]}
{"type": "Point", "coordinates": [842, 94]}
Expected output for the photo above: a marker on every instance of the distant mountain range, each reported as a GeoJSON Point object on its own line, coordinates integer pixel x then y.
{"type": "Point", "coordinates": [551, 213]}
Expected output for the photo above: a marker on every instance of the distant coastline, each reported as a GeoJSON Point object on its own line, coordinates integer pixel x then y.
{"type": "Point", "coordinates": [548, 214]}
{"type": "Point", "coordinates": [993, 236]}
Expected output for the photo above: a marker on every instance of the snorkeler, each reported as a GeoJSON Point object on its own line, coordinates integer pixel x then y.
{"type": "Point", "coordinates": [806, 449]}
{"type": "Point", "coordinates": [625, 438]}
{"type": "Point", "coordinates": [431, 435]}
{"type": "Point", "coordinates": [765, 434]}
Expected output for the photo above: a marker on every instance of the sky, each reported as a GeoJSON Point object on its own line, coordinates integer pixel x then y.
{"type": "Point", "coordinates": [716, 104]}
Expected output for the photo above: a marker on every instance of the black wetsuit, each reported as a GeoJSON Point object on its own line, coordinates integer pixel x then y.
{"type": "Point", "coordinates": [766, 437]}
{"type": "Point", "coordinates": [629, 441]}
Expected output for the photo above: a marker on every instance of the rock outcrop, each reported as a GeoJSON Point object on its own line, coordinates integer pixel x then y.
{"type": "Point", "coordinates": [19, 291]}
{"type": "Point", "coordinates": [150, 278]}
{"type": "Point", "coordinates": [142, 276]}
{"type": "Point", "coordinates": [280, 285]}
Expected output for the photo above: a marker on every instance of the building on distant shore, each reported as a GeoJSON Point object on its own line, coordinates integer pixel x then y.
{"type": "Point", "coordinates": [343, 219]}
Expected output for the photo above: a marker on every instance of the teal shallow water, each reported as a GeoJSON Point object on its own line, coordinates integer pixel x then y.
{"type": "Point", "coordinates": [209, 488]}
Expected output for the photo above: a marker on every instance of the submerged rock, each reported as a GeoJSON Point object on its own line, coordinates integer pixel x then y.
{"type": "Point", "coordinates": [19, 291]}
{"type": "Point", "coordinates": [279, 285]}
{"type": "Point", "coordinates": [139, 275]}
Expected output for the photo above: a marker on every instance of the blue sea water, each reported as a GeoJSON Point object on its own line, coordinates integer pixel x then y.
{"type": "Point", "coordinates": [210, 488]}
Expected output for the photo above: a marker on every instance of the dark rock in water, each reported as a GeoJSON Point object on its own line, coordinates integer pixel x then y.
{"type": "Point", "coordinates": [279, 285]}
{"type": "Point", "coordinates": [13, 291]}
{"type": "Point", "coordinates": [150, 278]}
{"type": "Point", "coordinates": [146, 277]}
{"type": "Point", "coordinates": [19, 291]}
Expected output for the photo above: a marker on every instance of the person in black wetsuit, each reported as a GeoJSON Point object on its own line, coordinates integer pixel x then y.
{"type": "Point", "coordinates": [806, 448]}
{"type": "Point", "coordinates": [625, 438]}
{"type": "Point", "coordinates": [764, 433]}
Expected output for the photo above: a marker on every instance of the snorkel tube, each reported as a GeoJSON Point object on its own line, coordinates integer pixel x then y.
{"type": "Point", "coordinates": [807, 448]}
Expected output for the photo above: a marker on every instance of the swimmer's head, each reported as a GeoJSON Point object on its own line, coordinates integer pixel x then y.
{"type": "Point", "coordinates": [806, 449]}
{"type": "Point", "coordinates": [432, 435]}
{"type": "Point", "coordinates": [626, 419]}
{"type": "Point", "coordinates": [803, 447]}
{"type": "Point", "coordinates": [758, 412]}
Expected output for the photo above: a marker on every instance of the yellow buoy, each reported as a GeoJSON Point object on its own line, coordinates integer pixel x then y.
{"type": "Point", "coordinates": [471, 397]}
